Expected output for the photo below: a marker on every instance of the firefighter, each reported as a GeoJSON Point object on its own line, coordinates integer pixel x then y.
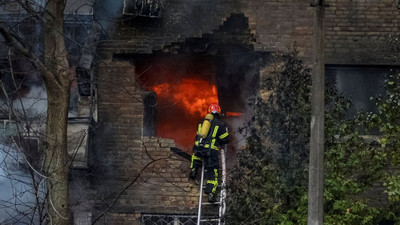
{"type": "Point", "coordinates": [211, 133]}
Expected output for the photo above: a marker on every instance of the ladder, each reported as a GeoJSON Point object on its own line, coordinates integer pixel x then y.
{"type": "Point", "coordinates": [222, 197]}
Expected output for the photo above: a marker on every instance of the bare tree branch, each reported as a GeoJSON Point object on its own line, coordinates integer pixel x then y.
{"type": "Point", "coordinates": [18, 46]}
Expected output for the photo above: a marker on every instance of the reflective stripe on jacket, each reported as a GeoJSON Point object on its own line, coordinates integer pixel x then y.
{"type": "Point", "coordinates": [217, 135]}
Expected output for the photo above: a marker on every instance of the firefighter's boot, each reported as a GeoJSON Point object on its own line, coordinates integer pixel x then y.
{"type": "Point", "coordinates": [193, 173]}
{"type": "Point", "coordinates": [211, 198]}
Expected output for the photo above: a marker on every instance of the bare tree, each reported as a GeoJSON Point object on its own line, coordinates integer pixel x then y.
{"type": "Point", "coordinates": [23, 185]}
{"type": "Point", "coordinates": [56, 74]}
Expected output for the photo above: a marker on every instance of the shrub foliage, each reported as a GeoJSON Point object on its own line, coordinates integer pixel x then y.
{"type": "Point", "coordinates": [270, 181]}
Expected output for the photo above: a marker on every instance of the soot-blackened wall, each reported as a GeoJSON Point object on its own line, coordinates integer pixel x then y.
{"type": "Point", "coordinates": [357, 32]}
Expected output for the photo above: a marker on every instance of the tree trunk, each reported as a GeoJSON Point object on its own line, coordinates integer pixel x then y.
{"type": "Point", "coordinates": [57, 81]}
{"type": "Point", "coordinates": [56, 155]}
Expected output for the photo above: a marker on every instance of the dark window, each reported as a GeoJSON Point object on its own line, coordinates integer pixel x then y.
{"type": "Point", "coordinates": [359, 83]}
{"type": "Point", "coordinates": [149, 114]}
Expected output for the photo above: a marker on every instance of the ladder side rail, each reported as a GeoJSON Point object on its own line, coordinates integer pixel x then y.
{"type": "Point", "coordinates": [222, 206]}
{"type": "Point", "coordinates": [201, 194]}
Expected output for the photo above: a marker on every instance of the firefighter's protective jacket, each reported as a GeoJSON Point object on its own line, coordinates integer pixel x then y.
{"type": "Point", "coordinates": [217, 136]}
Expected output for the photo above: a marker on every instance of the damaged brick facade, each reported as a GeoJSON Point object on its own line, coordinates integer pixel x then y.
{"type": "Point", "coordinates": [357, 32]}
{"type": "Point", "coordinates": [133, 174]}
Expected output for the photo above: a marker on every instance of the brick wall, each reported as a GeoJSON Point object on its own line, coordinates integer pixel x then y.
{"type": "Point", "coordinates": [132, 173]}
{"type": "Point", "coordinates": [163, 185]}
{"type": "Point", "coordinates": [357, 32]}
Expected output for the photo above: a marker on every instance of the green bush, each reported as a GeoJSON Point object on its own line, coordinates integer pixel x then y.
{"type": "Point", "coordinates": [269, 185]}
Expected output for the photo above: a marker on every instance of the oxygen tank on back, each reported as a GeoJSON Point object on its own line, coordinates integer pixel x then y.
{"type": "Point", "coordinates": [205, 127]}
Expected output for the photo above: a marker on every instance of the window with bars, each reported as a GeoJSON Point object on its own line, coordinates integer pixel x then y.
{"type": "Point", "coordinates": [168, 219]}
{"type": "Point", "coordinates": [145, 8]}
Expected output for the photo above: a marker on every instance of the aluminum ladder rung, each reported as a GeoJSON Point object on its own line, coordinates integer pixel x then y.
{"type": "Point", "coordinates": [209, 220]}
{"type": "Point", "coordinates": [210, 203]}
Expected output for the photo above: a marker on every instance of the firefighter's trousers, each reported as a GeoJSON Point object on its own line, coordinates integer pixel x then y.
{"type": "Point", "coordinates": [210, 158]}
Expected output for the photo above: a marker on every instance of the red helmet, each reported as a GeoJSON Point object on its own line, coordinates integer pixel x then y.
{"type": "Point", "coordinates": [214, 108]}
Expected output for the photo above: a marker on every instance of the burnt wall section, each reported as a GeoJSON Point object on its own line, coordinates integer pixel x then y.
{"type": "Point", "coordinates": [224, 40]}
{"type": "Point", "coordinates": [117, 135]}
{"type": "Point", "coordinates": [131, 173]}
{"type": "Point", "coordinates": [357, 32]}
{"type": "Point", "coordinates": [180, 20]}
{"type": "Point", "coordinates": [120, 118]}
{"type": "Point", "coordinates": [278, 25]}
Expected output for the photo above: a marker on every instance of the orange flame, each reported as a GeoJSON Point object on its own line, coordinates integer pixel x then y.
{"type": "Point", "coordinates": [180, 108]}
{"type": "Point", "coordinates": [233, 114]}
{"type": "Point", "coordinates": [194, 95]}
